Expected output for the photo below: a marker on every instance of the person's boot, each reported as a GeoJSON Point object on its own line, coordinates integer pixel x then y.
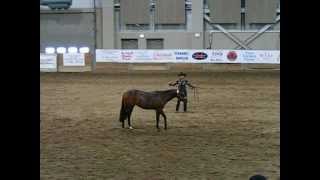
{"type": "Point", "coordinates": [185, 105]}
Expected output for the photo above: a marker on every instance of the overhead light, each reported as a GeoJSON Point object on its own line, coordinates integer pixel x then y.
{"type": "Point", "coordinates": [72, 50]}
{"type": "Point", "coordinates": [49, 50]}
{"type": "Point", "coordinates": [84, 50]}
{"type": "Point", "coordinates": [61, 50]}
{"type": "Point", "coordinates": [197, 35]}
{"type": "Point", "coordinates": [141, 35]}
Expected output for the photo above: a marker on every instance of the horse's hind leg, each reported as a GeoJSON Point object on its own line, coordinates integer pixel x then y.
{"type": "Point", "coordinates": [129, 116]}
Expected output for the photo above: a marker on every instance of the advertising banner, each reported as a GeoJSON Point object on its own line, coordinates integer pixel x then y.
{"type": "Point", "coordinates": [200, 56]}
{"type": "Point", "coordinates": [106, 55]}
{"type": "Point", "coordinates": [143, 55]}
{"type": "Point", "coordinates": [268, 57]}
{"type": "Point", "coordinates": [189, 56]}
{"type": "Point", "coordinates": [73, 59]}
{"type": "Point", "coordinates": [164, 56]}
{"type": "Point", "coordinates": [48, 62]}
{"type": "Point", "coordinates": [181, 56]}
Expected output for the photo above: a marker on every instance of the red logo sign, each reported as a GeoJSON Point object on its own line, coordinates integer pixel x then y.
{"type": "Point", "coordinates": [232, 55]}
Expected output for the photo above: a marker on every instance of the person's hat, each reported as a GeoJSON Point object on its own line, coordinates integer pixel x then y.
{"type": "Point", "coordinates": [182, 74]}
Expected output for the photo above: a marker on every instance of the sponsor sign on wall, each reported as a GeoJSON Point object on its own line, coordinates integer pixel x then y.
{"type": "Point", "coordinates": [218, 56]}
{"type": "Point", "coordinates": [249, 56]}
{"type": "Point", "coordinates": [200, 56]}
{"type": "Point", "coordinates": [73, 59]}
{"type": "Point", "coordinates": [105, 55]}
{"type": "Point", "coordinates": [189, 56]}
{"type": "Point", "coordinates": [232, 56]}
{"type": "Point", "coordinates": [268, 56]}
{"type": "Point", "coordinates": [164, 55]}
{"type": "Point", "coordinates": [143, 55]}
{"type": "Point", "coordinates": [48, 62]}
{"type": "Point", "coordinates": [181, 55]}
{"type": "Point", "coordinates": [126, 56]}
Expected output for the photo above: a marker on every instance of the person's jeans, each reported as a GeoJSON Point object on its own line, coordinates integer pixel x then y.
{"type": "Point", "coordinates": [185, 102]}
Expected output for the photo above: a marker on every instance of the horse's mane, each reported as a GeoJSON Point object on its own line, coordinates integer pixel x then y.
{"type": "Point", "coordinates": [156, 92]}
{"type": "Point", "coordinates": [164, 91]}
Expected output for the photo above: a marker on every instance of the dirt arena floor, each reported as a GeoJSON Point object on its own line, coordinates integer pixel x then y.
{"type": "Point", "coordinates": [232, 133]}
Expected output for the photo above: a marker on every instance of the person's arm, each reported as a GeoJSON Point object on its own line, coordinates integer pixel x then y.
{"type": "Point", "coordinates": [190, 85]}
{"type": "Point", "coordinates": [173, 84]}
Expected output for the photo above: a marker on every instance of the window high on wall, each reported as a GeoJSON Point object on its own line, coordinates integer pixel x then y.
{"type": "Point", "coordinates": [152, 15]}
{"type": "Point", "coordinates": [260, 12]}
{"type": "Point", "coordinates": [155, 44]}
{"type": "Point", "coordinates": [129, 44]}
{"type": "Point", "coordinates": [226, 13]}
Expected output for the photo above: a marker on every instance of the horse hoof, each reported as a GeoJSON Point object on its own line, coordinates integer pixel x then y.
{"type": "Point", "coordinates": [130, 127]}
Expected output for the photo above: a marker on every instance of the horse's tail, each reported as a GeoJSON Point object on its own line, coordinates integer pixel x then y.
{"type": "Point", "coordinates": [123, 114]}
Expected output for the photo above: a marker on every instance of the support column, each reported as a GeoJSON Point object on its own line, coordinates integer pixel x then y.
{"type": "Point", "coordinates": [197, 24]}
{"type": "Point", "coordinates": [108, 30]}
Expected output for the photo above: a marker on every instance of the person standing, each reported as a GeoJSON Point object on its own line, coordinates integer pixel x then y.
{"type": "Point", "coordinates": [182, 84]}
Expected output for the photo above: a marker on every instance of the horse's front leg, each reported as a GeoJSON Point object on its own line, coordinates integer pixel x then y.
{"type": "Point", "coordinates": [165, 119]}
{"type": "Point", "coordinates": [157, 119]}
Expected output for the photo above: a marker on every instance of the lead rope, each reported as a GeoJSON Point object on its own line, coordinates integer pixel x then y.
{"type": "Point", "coordinates": [196, 94]}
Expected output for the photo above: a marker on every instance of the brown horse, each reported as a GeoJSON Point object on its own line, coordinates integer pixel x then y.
{"type": "Point", "coordinates": [155, 100]}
